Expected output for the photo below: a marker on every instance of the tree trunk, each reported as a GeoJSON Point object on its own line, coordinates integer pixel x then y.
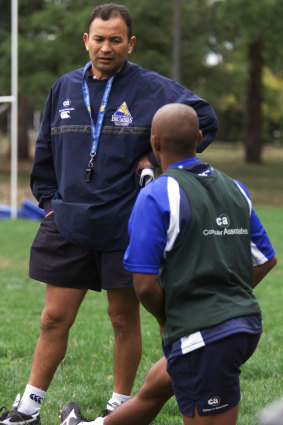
{"type": "Point", "coordinates": [253, 119]}
{"type": "Point", "coordinates": [23, 138]}
{"type": "Point", "coordinates": [176, 45]}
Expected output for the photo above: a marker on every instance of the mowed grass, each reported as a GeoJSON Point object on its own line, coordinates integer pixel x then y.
{"type": "Point", "coordinates": [86, 374]}
{"type": "Point", "coordinates": [264, 181]}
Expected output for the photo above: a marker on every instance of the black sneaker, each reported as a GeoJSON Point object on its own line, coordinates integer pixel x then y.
{"type": "Point", "coordinates": [13, 417]}
{"type": "Point", "coordinates": [105, 412]}
{"type": "Point", "coordinates": [71, 414]}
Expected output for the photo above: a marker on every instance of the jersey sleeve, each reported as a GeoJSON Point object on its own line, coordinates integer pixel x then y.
{"type": "Point", "coordinates": [159, 218]}
{"type": "Point", "coordinates": [147, 228]}
{"type": "Point", "coordinates": [261, 247]}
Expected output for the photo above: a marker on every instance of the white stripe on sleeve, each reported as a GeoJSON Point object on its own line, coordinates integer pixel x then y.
{"type": "Point", "coordinates": [257, 256]}
{"type": "Point", "coordinates": [173, 191]}
{"type": "Point", "coordinates": [245, 196]}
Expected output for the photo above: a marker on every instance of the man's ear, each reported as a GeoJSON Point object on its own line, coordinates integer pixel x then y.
{"type": "Point", "coordinates": [85, 37]}
{"type": "Point", "coordinates": [132, 42]}
{"type": "Point", "coordinates": [199, 137]}
{"type": "Point", "coordinates": [155, 143]}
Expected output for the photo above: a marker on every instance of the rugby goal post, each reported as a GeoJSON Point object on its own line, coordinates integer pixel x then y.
{"type": "Point", "coordinates": [13, 99]}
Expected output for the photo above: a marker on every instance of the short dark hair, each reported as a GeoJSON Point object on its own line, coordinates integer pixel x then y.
{"type": "Point", "coordinates": [111, 10]}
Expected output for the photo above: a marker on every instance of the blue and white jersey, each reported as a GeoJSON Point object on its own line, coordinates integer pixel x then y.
{"type": "Point", "coordinates": [160, 217]}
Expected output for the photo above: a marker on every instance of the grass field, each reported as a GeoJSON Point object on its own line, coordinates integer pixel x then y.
{"type": "Point", "coordinates": [264, 182]}
{"type": "Point", "coordinates": [86, 373]}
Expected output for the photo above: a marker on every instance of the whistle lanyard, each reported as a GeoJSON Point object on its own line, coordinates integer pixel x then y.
{"type": "Point", "coordinates": [95, 129]}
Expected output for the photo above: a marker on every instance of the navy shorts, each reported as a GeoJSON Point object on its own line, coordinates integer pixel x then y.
{"type": "Point", "coordinates": [208, 378]}
{"type": "Point", "coordinates": [55, 261]}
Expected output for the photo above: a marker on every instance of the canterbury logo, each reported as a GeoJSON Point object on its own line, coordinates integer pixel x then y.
{"type": "Point", "coordinates": [36, 398]}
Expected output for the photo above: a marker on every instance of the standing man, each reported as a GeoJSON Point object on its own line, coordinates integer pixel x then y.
{"type": "Point", "coordinates": [197, 249]}
{"type": "Point", "coordinates": [93, 142]}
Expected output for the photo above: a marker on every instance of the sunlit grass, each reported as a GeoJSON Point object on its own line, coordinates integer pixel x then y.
{"type": "Point", "coordinates": [264, 181]}
{"type": "Point", "coordinates": [86, 373]}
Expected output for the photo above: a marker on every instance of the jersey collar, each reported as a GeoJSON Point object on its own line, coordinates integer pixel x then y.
{"type": "Point", "coordinates": [185, 162]}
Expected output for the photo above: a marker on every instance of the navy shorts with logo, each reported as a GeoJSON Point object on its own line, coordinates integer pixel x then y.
{"type": "Point", "coordinates": [55, 261]}
{"type": "Point", "coordinates": [208, 378]}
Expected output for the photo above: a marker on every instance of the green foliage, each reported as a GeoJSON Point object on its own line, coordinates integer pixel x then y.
{"type": "Point", "coordinates": [50, 44]}
{"type": "Point", "coordinates": [253, 19]}
{"type": "Point", "coordinates": [153, 28]}
{"type": "Point", "coordinates": [198, 40]}
{"type": "Point", "coordinates": [272, 106]}
{"type": "Point", "coordinates": [244, 22]}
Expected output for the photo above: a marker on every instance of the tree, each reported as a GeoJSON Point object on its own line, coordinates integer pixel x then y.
{"type": "Point", "coordinates": [258, 26]}
{"type": "Point", "coordinates": [45, 36]}
{"type": "Point", "coordinates": [176, 39]}
{"type": "Point", "coordinates": [50, 44]}
{"type": "Point", "coordinates": [25, 8]}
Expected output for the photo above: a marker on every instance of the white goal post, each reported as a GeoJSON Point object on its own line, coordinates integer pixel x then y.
{"type": "Point", "coordinates": [13, 99]}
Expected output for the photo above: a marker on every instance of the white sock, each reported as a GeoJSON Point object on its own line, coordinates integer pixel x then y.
{"type": "Point", "coordinates": [116, 400]}
{"type": "Point", "coordinates": [17, 401]}
{"type": "Point", "coordinates": [31, 400]}
{"type": "Point", "coordinates": [98, 421]}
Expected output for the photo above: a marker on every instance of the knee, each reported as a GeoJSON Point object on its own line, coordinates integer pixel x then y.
{"type": "Point", "coordinates": [157, 395]}
{"type": "Point", "coordinates": [124, 319]}
{"type": "Point", "coordinates": [123, 310]}
{"type": "Point", "coordinates": [157, 383]}
{"type": "Point", "coordinates": [53, 320]}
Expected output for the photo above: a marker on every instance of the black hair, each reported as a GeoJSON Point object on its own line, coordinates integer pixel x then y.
{"type": "Point", "coordinates": [110, 10]}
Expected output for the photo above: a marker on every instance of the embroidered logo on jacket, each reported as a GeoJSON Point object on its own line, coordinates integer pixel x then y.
{"type": "Point", "coordinates": [66, 112]}
{"type": "Point", "coordinates": [67, 103]}
{"type": "Point", "coordinates": [122, 116]}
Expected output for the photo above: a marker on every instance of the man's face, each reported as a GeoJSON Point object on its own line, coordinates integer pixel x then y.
{"type": "Point", "coordinates": [108, 45]}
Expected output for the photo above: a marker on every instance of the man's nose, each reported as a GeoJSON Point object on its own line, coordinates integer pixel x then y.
{"type": "Point", "coordinates": [106, 46]}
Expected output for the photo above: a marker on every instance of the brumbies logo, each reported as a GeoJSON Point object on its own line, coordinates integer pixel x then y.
{"type": "Point", "coordinates": [122, 116]}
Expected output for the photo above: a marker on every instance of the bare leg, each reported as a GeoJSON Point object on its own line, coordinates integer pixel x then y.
{"type": "Point", "coordinates": [59, 313]}
{"type": "Point", "coordinates": [226, 418]}
{"type": "Point", "coordinates": [124, 314]}
{"type": "Point", "coordinates": [146, 404]}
